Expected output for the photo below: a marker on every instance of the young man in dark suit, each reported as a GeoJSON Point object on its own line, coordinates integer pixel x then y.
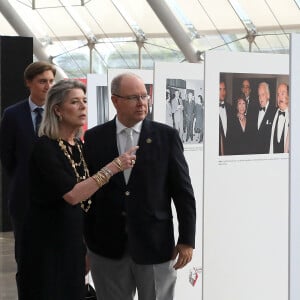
{"type": "Point", "coordinates": [252, 103]}
{"type": "Point", "coordinates": [17, 136]}
{"type": "Point", "coordinates": [129, 228]}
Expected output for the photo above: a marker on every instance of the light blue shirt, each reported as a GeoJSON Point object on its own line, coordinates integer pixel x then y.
{"type": "Point", "coordinates": [33, 106]}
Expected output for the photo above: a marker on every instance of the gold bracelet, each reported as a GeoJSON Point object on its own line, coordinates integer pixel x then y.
{"type": "Point", "coordinates": [98, 180]}
{"type": "Point", "coordinates": [117, 162]}
{"type": "Point", "coordinates": [101, 178]}
{"type": "Point", "coordinates": [107, 172]}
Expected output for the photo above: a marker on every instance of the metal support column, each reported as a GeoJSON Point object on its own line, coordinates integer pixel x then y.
{"type": "Point", "coordinates": [175, 29]}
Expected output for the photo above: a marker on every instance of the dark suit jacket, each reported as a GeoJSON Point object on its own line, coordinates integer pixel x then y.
{"type": "Point", "coordinates": [262, 135]}
{"type": "Point", "coordinates": [252, 108]}
{"type": "Point", "coordinates": [138, 216]}
{"type": "Point", "coordinates": [241, 140]}
{"type": "Point", "coordinates": [17, 138]}
{"type": "Point", "coordinates": [226, 141]}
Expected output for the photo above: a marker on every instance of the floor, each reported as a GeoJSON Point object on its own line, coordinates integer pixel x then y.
{"type": "Point", "coordinates": [8, 289]}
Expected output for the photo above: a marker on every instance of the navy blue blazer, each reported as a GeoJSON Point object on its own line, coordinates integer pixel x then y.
{"type": "Point", "coordinates": [17, 138]}
{"type": "Point", "coordinates": [137, 217]}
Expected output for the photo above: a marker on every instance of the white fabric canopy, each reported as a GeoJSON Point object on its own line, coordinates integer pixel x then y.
{"type": "Point", "coordinates": [216, 23]}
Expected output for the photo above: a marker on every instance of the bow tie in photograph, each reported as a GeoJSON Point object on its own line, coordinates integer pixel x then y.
{"type": "Point", "coordinates": [281, 113]}
{"type": "Point", "coordinates": [222, 105]}
{"type": "Point", "coordinates": [262, 108]}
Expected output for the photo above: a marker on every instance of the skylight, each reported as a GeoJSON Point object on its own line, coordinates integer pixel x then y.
{"type": "Point", "coordinates": [184, 20]}
{"type": "Point", "coordinates": [298, 3]}
{"type": "Point", "coordinates": [250, 27]}
{"type": "Point", "coordinates": [131, 23]}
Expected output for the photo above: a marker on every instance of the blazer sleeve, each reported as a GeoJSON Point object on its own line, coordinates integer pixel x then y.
{"type": "Point", "coordinates": [7, 142]}
{"type": "Point", "coordinates": [182, 193]}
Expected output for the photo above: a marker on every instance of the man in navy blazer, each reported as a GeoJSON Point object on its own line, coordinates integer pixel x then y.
{"type": "Point", "coordinates": [17, 136]}
{"type": "Point", "coordinates": [129, 228]}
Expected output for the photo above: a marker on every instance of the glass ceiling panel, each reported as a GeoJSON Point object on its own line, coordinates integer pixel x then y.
{"type": "Point", "coordinates": [65, 31]}
{"type": "Point", "coordinates": [219, 27]}
{"type": "Point", "coordinates": [49, 3]}
{"type": "Point", "coordinates": [225, 18]}
{"type": "Point", "coordinates": [30, 17]}
{"type": "Point", "coordinates": [197, 16]}
{"type": "Point", "coordinates": [286, 12]}
{"type": "Point", "coordinates": [104, 13]}
{"type": "Point", "coordinates": [207, 19]}
{"type": "Point", "coordinates": [243, 16]}
{"type": "Point", "coordinates": [144, 17]}
{"type": "Point", "coordinates": [5, 28]}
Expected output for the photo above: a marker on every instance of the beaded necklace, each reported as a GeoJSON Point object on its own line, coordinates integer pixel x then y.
{"type": "Point", "coordinates": [75, 166]}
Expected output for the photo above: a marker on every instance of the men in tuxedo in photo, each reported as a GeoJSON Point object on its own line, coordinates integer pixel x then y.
{"type": "Point", "coordinates": [177, 111]}
{"type": "Point", "coordinates": [169, 115]}
{"type": "Point", "coordinates": [263, 120]}
{"type": "Point", "coordinates": [189, 112]}
{"type": "Point", "coordinates": [279, 142]}
{"type": "Point", "coordinates": [225, 120]}
{"type": "Point", "coordinates": [252, 103]}
{"type": "Point", "coordinates": [199, 118]}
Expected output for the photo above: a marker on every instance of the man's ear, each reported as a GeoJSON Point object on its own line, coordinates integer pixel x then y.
{"type": "Point", "coordinates": [114, 100]}
{"type": "Point", "coordinates": [28, 83]}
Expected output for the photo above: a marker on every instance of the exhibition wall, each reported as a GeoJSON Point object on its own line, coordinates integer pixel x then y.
{"type": "Point", "coordinates": [243, 209]}
{"type": "Point", "coordinates": [294, 235]}
{"type": "Point", "coordinates": [246, 197]}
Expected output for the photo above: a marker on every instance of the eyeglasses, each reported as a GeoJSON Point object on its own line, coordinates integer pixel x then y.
{"type": "Point", "coordinates": [134, 97]}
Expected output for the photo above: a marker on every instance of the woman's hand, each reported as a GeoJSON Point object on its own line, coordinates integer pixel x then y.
{"type": "Point", "coordinates": [124, 161]}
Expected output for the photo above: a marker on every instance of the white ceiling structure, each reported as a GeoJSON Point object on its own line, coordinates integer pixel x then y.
{"type": "Point", "coordinates": [84, 36]}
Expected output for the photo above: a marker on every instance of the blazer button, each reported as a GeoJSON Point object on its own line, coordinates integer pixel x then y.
{"type": "Point", "coordinates": [127, 193]}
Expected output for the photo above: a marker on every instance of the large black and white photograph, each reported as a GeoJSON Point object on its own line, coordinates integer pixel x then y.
{"type": "Point", "coordinates": [184, 82]}
{"type": "Point", "coordinates": [253, 114]}
{"type": "Point", "coordinates": [185, 108]}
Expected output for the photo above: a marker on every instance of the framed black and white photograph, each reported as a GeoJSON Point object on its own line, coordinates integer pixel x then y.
{"type": "Point", "coordinates": [246, 197]}
{"type": "Point", "coordinates": [177, 91]}
{"type": "Point", "coordinates": [253, 114]}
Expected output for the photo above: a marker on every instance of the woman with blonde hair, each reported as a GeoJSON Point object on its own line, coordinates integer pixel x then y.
{"type": "Point", "coordinates": [53, 249]}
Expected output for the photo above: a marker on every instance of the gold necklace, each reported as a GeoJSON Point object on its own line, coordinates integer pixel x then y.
{"type": "Point", "coordinates": [74, 165]}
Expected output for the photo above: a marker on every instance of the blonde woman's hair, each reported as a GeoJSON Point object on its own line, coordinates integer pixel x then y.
{"type": "Point", "coordinates": [56, 96]}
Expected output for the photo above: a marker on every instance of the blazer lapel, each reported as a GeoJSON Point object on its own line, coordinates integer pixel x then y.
{"type": "Point", "coordinates": [112, 147]}
{"type": "Point", "coordinates": [25, 115]}
{"type": "Point", "coordinates": [145, 140]}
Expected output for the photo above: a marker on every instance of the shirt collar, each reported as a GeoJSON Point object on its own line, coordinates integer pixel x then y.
{"type": "Point", "coordinates": [32, 105]}
{"type": "Point", "coordinates": [266, 107]}
{"type": "Point", "coordinates": [120, 127]}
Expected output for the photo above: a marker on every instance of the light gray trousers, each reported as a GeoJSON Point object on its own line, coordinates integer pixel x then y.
{"type": "Point", "coordinates": [120, 279]}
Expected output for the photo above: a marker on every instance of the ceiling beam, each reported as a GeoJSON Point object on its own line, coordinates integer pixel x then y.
{"type": "Point", "coordinates": [175, 29]}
